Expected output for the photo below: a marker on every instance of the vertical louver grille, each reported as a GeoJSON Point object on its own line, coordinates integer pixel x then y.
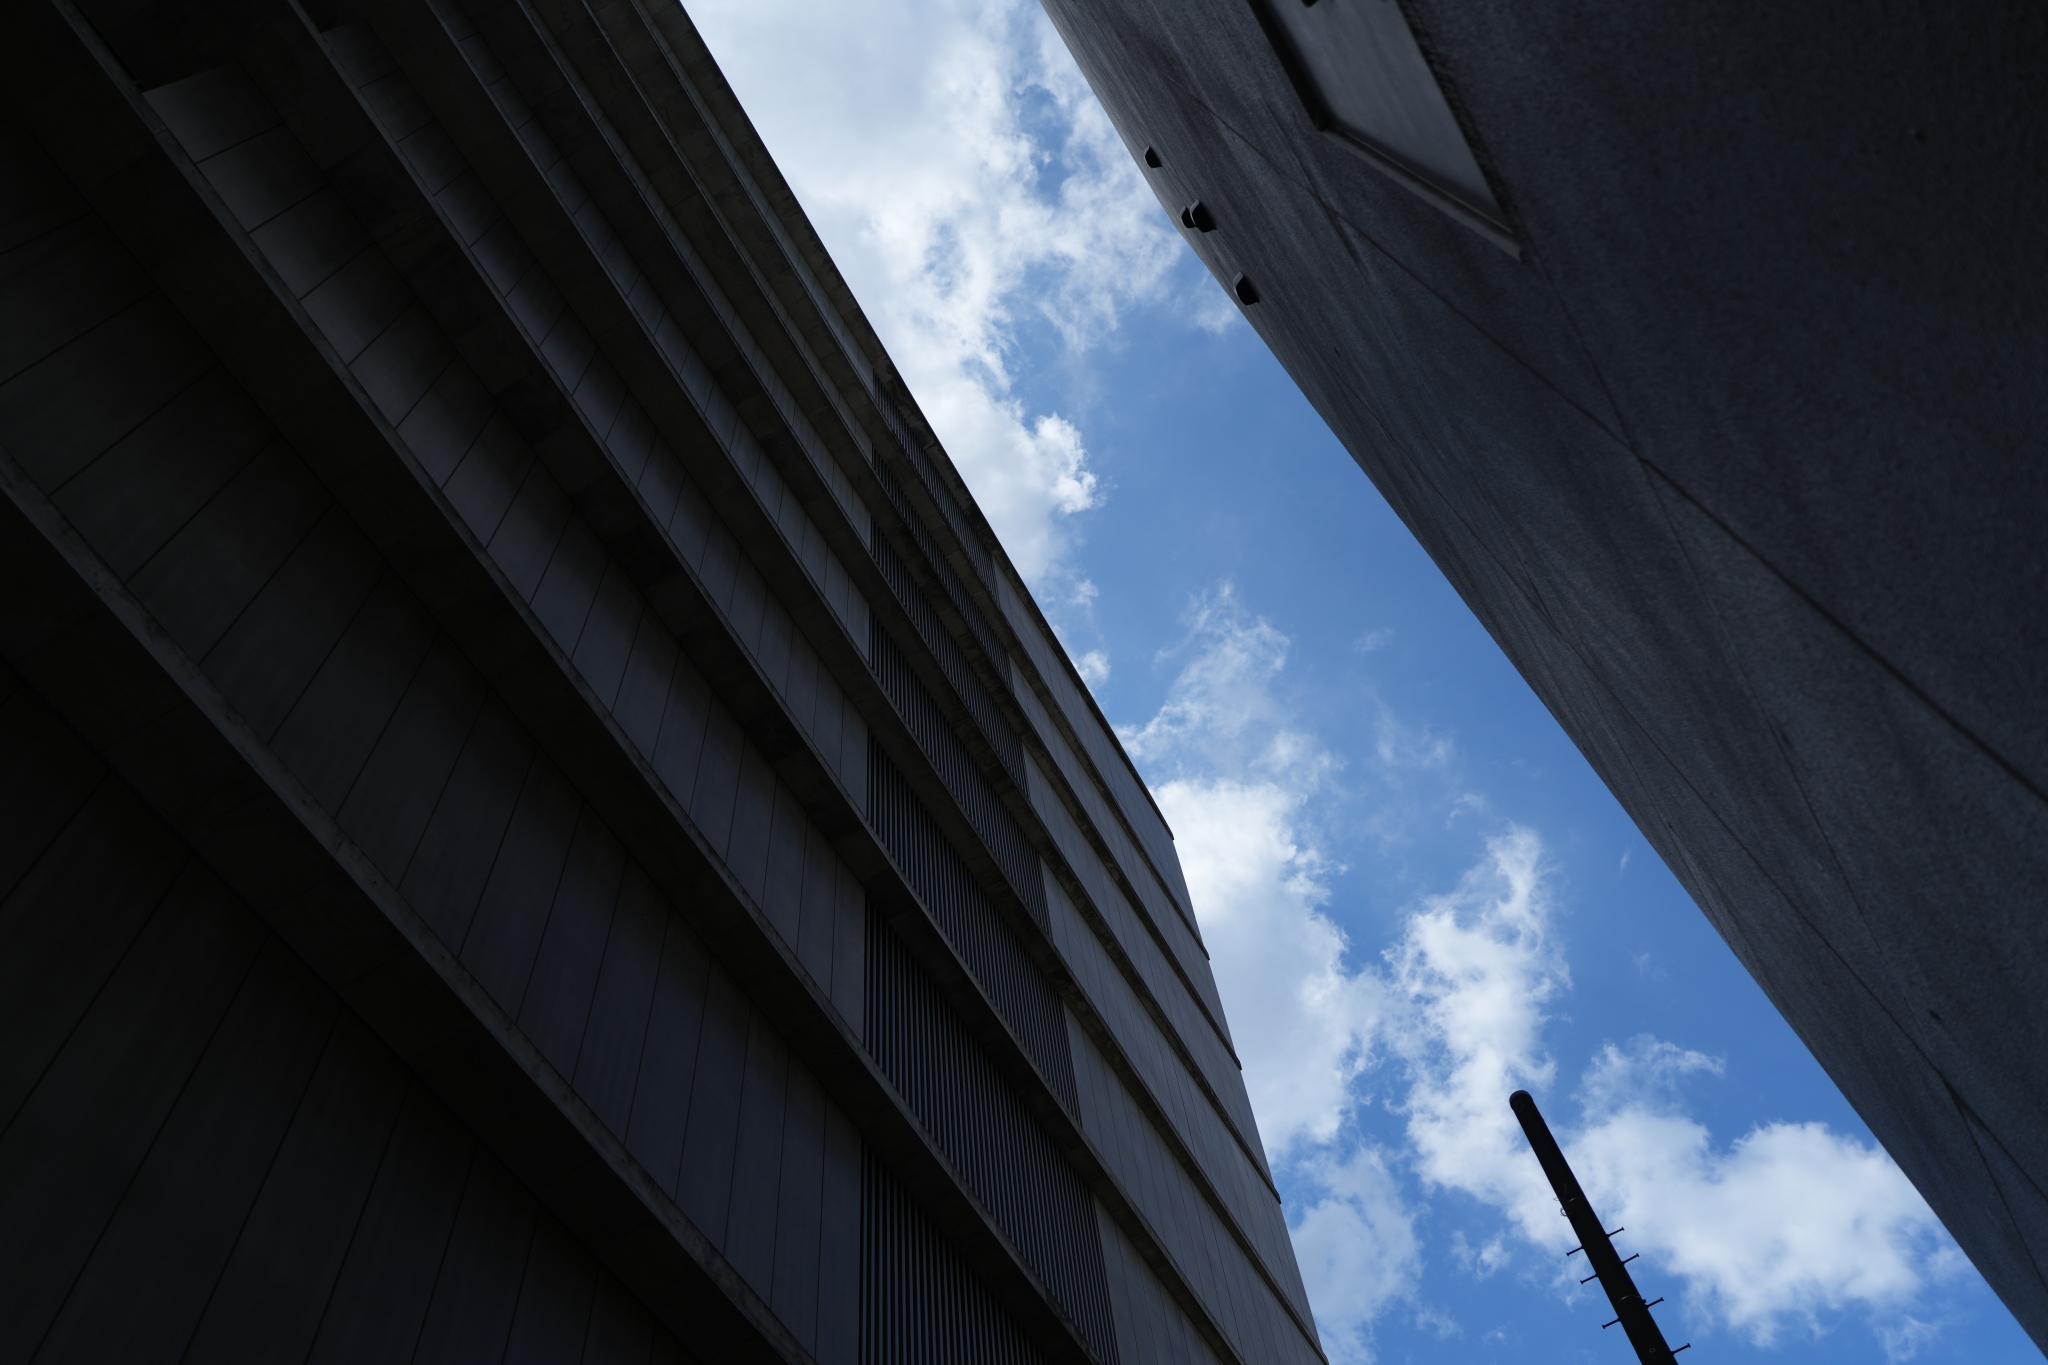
{"type": "Point", "coordinates": [919, 1303]}
{"type": "Point", "coordinates": [988, 1134]}
{"type": "Point", "coordinates": [984, 563]}
{"type": "Point", "coordinates": [956, 768]}
{"type": "Point", "coordinates": [986, 944]}
{"type": "Point", "coordinates": [1001, 737]}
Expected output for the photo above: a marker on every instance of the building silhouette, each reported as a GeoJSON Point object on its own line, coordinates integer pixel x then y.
{"type": "Point", "coordinates": [1704, 355]}
{"type": "Point", "coordinates": [537, 822]}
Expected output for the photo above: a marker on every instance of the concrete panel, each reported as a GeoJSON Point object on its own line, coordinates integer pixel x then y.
{"type": "Point", "coordinates": [156, 1263]}
{"type": "Point", "coordinates": [477, 1291]}
{"type": "Point", "coordinates": [667, 1068]}
{"type": "Point", "coordinates": [198, 584]}
{"type": "Point", "coordinates": [109, 855]}
{"type": "Point", "coordinates": [97, 1108]}
{"type": "Point", "coordinates": [555, 1009]}
{"type": "Point", "coordinates": [704, 1185]}
{"type": "Point", "coordinates": [611, 1049]}
{"type": "Point", "coordinates": [380, 1299]}
{"type": "Point", "coordinates": [555, 1299]}
{"type": "Point", "coordinates": [751, 1218]}
{"type": "Point", "coordinates": [387, 809]}
{"type": "Point", "coordinates": [454, 856]}
{"type": "Point", "coordinates": [269, 1299]}
{"type": "Point", "coordinates": [137, 495]}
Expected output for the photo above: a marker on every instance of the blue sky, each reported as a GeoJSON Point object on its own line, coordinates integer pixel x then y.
{"type": "Point", "coordinates": [1417, 895]}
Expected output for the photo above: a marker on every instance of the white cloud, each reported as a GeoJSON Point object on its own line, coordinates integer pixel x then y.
{"type": "Point", "coordinates": [1472, 973]}
{"type": "Point", "coordinates": [1300, 1020]}
{"type": "Point", "coordinates": [1409, 746]}
{"type": "Point", "coordinates": [1357, 1247]}
{"type": "Point", "coordinates": [1222, 715]}
{"type": "Point", "coordinates": [1765, 1234]}
{"type": "Point", "coordinates": [967, 183]}
{"type": "Point", "coordinates": [1903, 1339]}
{"type": "Point", "coordinates": [1787, 1222]}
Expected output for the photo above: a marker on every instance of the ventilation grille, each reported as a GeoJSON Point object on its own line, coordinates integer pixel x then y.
{"type": "Point", "coordinates": [956, 768]}
{"type": "Point", "coordinates": [940, 640]}
{"type": "Point", "coordinates": [919, 1303]}
{"type": "Point", "coordinates": [990, 1137]}
{"type": "Point", "coordinates": [984, 563]}
{"type": "Point", "coordinates": [999, 963]}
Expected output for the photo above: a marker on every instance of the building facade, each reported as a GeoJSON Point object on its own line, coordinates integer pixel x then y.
{"type": "Point", "coordinates": [1703, 353]}
{"type": "Point", "coordinates": [537, 822]}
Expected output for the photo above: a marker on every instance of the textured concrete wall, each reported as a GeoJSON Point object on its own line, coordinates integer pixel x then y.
{"type": "Point", "coordinates": [1741, 462]}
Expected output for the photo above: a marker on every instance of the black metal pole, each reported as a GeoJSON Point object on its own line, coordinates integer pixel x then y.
{"type": "Point", "coordinates": [1629, 1309]}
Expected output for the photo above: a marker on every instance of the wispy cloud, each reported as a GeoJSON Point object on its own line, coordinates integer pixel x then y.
{"type": "Point", "coordinates": [1093, 665]}
{"type": "Point", "coordinates": [1357, 1245]}
{"type": "Point", "coordinates": [1222, 714]}
{"type": "Point", "coordinates": [970, 188]}
{"type": "Point", "coordinates": [1788, 1222]}
{"type": "Point", "coordinates": [1768, 1233]}
{"type": "Point", "coordinates": [1237, 775]}
{"type": "Point", "coordinates": [1473, 973]}
{"type": "Point", "coordinates": [1303, 1023]}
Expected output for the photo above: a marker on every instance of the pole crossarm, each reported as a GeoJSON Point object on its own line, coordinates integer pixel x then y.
{"type": "Point", "coordinates": [1598, 1244]}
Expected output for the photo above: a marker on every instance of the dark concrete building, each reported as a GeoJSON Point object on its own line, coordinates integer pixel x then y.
{"type": "Point", "coordinates": [1704, 350]}
{"type": "Point", "coordinates": [536, 821]}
